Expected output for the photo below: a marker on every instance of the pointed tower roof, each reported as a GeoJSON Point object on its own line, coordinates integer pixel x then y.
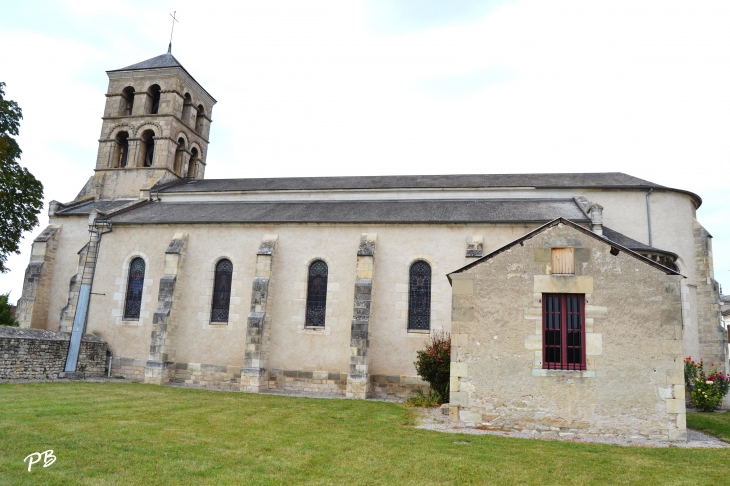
{"type": "Point", "coordinates": [166, 60]}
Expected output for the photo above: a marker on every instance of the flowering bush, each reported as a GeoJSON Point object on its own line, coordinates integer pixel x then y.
{"type": "Point", "coordinates": [433, 364]}
{"type": "Point", "coordinates": [707, 389]}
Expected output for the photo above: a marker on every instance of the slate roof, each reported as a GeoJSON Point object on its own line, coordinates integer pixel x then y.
{"type": "Point", "coordinates": [572, 224]}
{"type": "Point", "coordinates": [616, 180]}
{"type": "Point", "coordinates": [624, 240]}
{"type": "Point", "coordinates": [166, 60]}
{"type": "Point", "coordinates": [399, 211]}
{"type": "Point", "coordinates": [103, 205]}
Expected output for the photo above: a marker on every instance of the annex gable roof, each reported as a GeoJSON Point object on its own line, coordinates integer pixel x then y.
{"type": "Point", "coordinates": [576, 227]}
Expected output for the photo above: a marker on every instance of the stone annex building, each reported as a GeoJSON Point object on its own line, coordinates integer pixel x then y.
{"type": "Point", "coordinates": [575, 296]}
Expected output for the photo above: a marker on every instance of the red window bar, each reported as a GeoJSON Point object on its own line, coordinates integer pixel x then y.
{"type": "Point", "coordinates": [564, 339]}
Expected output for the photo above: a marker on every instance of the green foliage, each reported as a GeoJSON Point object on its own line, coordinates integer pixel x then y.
{"type": "Point", "coordinates": [707, 389]}
{"type": "Point", "coordinates": [21, 194]}
{"type": "Point", "coordinates": [433, 364]}
{"type": "Point", "coordinates": [431, 400]}
{"type": "Point", "coordinates": [6, 319]}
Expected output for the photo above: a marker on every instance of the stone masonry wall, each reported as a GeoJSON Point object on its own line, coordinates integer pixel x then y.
{"type": "Point", "coordinates": [633, 384]}
{"type": "Point", "coordinates": [37, 354]}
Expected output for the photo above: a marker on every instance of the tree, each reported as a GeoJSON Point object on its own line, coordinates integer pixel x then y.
{"type": "Point", "coordinates": [21, 194]}
{"type": "Point", "coordinates": [6, 318]}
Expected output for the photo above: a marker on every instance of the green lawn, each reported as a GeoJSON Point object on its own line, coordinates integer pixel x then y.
{"type": "Point", "coordinates": [127, 433]}
{"type": "Point", "coordinates": [717, 424]}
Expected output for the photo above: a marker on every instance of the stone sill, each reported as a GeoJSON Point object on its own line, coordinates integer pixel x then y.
{"type": "Point", "coordinates": [564, 373]}
{"type": "Point", "coordinates": [419, 331]}
{"type": "Point", "coordinates": [218, 324]}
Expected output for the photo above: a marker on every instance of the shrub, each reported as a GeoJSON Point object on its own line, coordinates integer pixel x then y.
{"type": "Point", "coordinates": [433, 364]}
{"type": "Point", "coordinates": [707, 389]}
{"type": "Point", "coordinates": [6, 319]}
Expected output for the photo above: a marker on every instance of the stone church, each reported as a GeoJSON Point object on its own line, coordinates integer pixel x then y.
{"type": "Point", "coordinates": [324, 284]}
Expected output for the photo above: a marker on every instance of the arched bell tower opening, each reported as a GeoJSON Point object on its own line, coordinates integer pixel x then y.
{"type": "Point", "coordinates": [126, 104]}
{"type": "Point", "coordinates": [193, 164]}
{"type": "Point", "coordinates": [187, 110]}
{"type": "Point", "coordinates": [179, 155]}
{"type": "Point", "coordinates": [153, 100]}
{"type": "Point", "coordinates": [154, 131]}
{"type": "Point", "coordinates": [200, 120]}
{"type": "Point", "coordinates": [121, 153]}
{"type": "Point", "coordinates": [148, 148]}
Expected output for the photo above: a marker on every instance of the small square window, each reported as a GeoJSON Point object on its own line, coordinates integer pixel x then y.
{"type": "Point", "coordinates": [563, 261]}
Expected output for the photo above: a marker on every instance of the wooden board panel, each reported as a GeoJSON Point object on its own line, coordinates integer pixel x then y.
{"type": "Point", "coordinates": [563, 261]}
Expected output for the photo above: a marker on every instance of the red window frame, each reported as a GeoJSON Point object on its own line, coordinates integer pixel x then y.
{"type": "Point", "coordinates": [563, 332]}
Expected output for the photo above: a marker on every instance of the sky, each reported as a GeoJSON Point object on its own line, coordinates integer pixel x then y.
{"type": "Point", "coordinates": [325, 88]}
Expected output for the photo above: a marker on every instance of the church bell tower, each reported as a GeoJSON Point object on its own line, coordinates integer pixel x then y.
{"type": "Point", "coordinates": [155, 129]}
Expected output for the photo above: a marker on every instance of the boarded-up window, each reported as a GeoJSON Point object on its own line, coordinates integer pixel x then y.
{"type": "Point", "coordinates": [563, 261]}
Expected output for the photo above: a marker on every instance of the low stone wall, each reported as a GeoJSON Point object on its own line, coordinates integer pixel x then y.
{"type": "Point", "coordinates": [207, 375]}
{"type": "Point", "coordinates": [37, 354]}
{"type": "Point", "coordinates": [223, 377]}
{"type": "Point", "coordinates": [129, 368]}
{"type": "Point", "coordinates": [332, 382]}
{"type": "Point", "coordinates": [395, 386]}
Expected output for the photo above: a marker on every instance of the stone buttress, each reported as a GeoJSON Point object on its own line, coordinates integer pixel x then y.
{"type": "Point", "coordinates": [68, 313]}
{"type": "Point", "coordinates": [162, 349]}
{"type": "Point", "coordinates": [358, 379]}
{"type": "Point", "coordinates": [33, 304]}
{"type": "Point", "coordinates": [712, 336]}
{"type": "Point", "coordinates": [254, 374]}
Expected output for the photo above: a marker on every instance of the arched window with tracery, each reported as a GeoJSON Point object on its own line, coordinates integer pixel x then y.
{"type": "Point", "coordinates": [222, 291]}
{"type": "Point", "coordinates": [148, 139]}
{"type": "Point", "coordinates": [153, 99]}
{"type": "Point", "coordinates": [316, 294]}
{"type": "Point", "coordinates": [135, 286]}
{"type": "Point", "coordinates": [419, 296]}
{"type": "Point", "coordinates": [127, 102]}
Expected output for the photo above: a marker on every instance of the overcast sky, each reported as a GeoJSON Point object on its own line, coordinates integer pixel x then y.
{"type": "Point", "coordinates": [315, 88]}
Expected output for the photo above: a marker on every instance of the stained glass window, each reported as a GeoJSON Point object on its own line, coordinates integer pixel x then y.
{"type": "Point", "coordinates": [222, 291]}
{"type": "Point", "coordinates": [135, 284]}
{"type": "Point", "coordinates": [419, 296]}
{"type": "Point", "coordinates": [317, 294]}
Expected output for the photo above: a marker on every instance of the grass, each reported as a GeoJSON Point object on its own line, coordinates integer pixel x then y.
{"type": "Point", "coordinates": [127, 433]}
{"type": "Point", "coordinates": [716, 423]}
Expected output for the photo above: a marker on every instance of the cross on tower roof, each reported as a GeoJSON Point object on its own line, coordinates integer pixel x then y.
{"type": "Point", "coordinates": [169, 46]}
